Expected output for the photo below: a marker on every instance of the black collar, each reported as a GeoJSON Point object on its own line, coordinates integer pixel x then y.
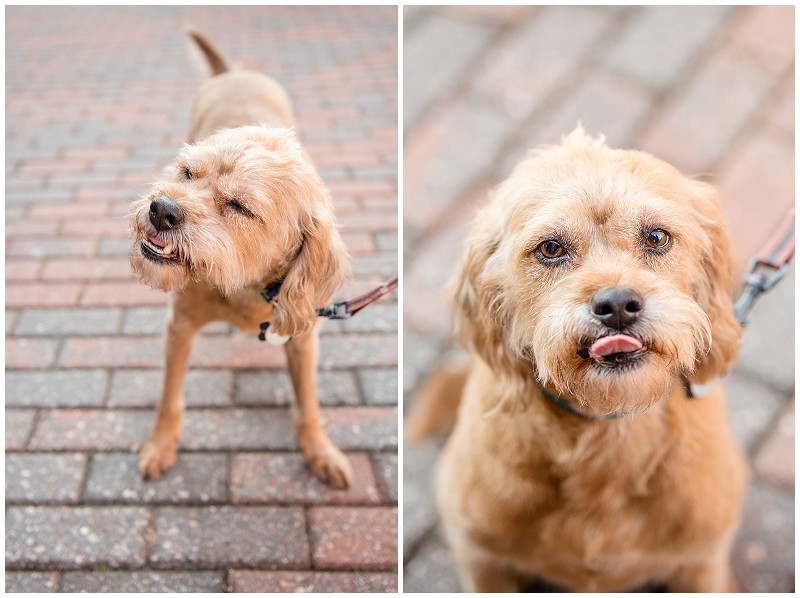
{"type": "Point", "coordinates": [271, 290]}
{"type": "Point", "coordinates": [569, 407]}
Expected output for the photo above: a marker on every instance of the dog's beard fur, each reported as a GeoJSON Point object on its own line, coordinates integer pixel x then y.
{"type": "Point", "coordinates": [530, 320]}
{"type": "Point", "coordinates": [253, 207]}
{"type": "Point", "coordinates": [554, 336]}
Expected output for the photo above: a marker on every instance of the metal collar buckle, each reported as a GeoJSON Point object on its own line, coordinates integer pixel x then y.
{"type": "Point", "coordinates": [335, 311]}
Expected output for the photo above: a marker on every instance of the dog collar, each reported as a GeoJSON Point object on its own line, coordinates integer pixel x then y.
{"type": "Point", "coordinates": [692, 391]}
{"type": "Point", "coordinates": [271, 290]}
{"type": "Point", "coordinates": [567, 406]}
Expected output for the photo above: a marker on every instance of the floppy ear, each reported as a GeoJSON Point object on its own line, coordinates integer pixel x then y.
{"type": "Point", "coordinates": [315, 274]}
{"type": "Point", "coordinates": [477, 302]}
{"type": "Point", "coordinates": [717, 289]}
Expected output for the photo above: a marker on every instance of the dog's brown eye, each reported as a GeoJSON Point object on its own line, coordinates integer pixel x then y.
{"type": "Point", "coordinates": [657, 238]}
{"type": "Point", "coordinates": [551, 250]}
{"type": "Point", "coordinates": [186, 173]}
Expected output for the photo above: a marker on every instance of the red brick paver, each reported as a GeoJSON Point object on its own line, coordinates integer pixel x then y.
{"type": "Point", "coordinates": [89, 123]}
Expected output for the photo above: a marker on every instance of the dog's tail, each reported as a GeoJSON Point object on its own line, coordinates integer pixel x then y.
{"type": "Point", "coordinates": [436, 406]}
{"type": "Point", "coordinates": [213, 56]}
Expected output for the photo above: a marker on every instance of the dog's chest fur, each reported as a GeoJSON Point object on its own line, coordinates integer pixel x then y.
{"type": "Point", "coordinates": [245, 309]}
{"type": "Point", "coordinates": [597, 507]}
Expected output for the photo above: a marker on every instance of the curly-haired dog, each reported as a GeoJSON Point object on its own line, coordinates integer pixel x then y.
{"type": "Point", "coordinates": [594, 290]}
{"type": "Point", "coordinates": [240, 208]}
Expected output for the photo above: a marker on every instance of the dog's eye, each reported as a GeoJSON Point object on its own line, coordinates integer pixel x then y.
{"type": "Point", "coordinates": [657, 238]}
{"type": "Point", "coordinates": [186, 173]}
{"type": "Point", "coordinates": [551, 250]}
{"type": "Point", "coordinates": [238, 207]}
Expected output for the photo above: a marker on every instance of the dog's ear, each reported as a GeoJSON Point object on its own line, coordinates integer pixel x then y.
{"type": "Point", "coordinates": [477, 302]}
{"type": "Point", "coordinates": [717, 289]}
{"type": "Point", "coordinates": [315, 274]}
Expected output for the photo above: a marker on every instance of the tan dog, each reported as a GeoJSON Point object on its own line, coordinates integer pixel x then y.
{"type": "Point", "coordinates": [594, 283]}
{"type": "Point", "coordinates": [241, 207]}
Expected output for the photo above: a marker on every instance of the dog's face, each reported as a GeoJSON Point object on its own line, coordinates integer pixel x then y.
{"type": "Point", "coordinates": [603, 273]}
{"type": "Point", "coordinates": [233, 209]}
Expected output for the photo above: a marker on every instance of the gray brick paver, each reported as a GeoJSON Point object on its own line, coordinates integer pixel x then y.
{"type": "Point", "coordinates": [446, 48]}
{"type": "Point", "coordinates": [767, 353]}
{"type": "Point", "coordinates": [142, 388]}
{"type": "Point", "coordinates": [379, 385]}
{"type": "Point", "coordinates": [43, 478]}
{"type": "Point", "coordinates": [431, 570]}
{"type": "Point", "coordinates": [91, 429]}
{"type": "Point", "coordinates": [362, 428]}
{"type": "Point", "coordinates": [73, 537]}
{"type": "Point", "coordinates": [419, 510]}
{"type": "Point", "coordinates": [464, 122]}
{"type": "Point", "coordinates": [230, 536]}
{"type": "Point", "coordinates": [77, 322]}
{"type": "Point", "coordinates": [775, 459]}
{"type": "Point", "coordinates": [201, 582]}
{"type": "Point", "coordinates": [752, 407]}
{"type": "Point", "coordinates": [525, 67]}
{"type": "Point", "coordinates": [19, 424]}
{"type": "Point", "coordinates": [763, 556]}
{"type": "Point", "coordinates": [30, 582]}
{"type": "Point", "coordinates": [658, 43]}
{"type": "Point", "coordinates": [274, 388]}
{"type": "Point", "coordinates": [719, 103]}
{"type": "Point", "coordinates": [56, 388]}
{"type": "Point", "coordinates": [195, 478]}
{"type": "Point", "coordinates": [310, 582]}
{"type": "Point", "coordinates": [386, 467]}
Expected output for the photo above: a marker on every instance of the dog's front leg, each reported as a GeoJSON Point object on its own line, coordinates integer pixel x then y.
{"type": "Point", "coordinates": [159, 452]}
{"type": "Point", "coordinates": [327, 462]}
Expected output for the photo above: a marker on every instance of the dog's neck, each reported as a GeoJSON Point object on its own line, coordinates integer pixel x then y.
{"type": "Point", "coordinates": [569, 407]}
{"type": "Point", "coordinates": [270, 285]}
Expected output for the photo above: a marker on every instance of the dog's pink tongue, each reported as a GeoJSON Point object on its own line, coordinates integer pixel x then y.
{"type": "Point", "coordinates": [618, 343]}
{"type": "Point", "coordinates": [156, 241]}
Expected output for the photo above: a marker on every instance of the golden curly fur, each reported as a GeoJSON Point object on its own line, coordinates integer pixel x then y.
{"type": "Point", "coordinates": [529, 490]}
{"type": "Point", "coordinates": [241, 207]}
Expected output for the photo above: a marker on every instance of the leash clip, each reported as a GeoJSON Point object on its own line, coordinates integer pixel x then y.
{"type": "Point", "coordinates": [767, 283]}
{"type": "Point", "coordinates": [757, 282]}
{"type": "Point", "coordinates": [335, 311]}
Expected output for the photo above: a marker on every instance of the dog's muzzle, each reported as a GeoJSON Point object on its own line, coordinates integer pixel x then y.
{"type": "Point", "coordinates": [617, 309]}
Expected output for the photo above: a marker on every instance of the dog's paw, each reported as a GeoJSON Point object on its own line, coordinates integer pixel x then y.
{"type": "Point", "coordinates": [330, 465]}
{"type": "Point", "coordinates": [156, 457]}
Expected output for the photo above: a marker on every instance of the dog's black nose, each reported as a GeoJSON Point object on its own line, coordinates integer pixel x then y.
{"type": "Point", "coordinates": [165, 214]}
{"type": "Point", "coordinates": [617, 307]}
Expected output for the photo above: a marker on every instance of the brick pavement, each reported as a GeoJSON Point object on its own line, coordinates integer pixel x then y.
{"type": "Point", "coordinates": [98, 101]}
{"type": "Point", "coordinates": [709, 89]}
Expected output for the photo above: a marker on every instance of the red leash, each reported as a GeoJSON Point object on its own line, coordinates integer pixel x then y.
{"type": "Point", "coordinates": [341, 310]}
